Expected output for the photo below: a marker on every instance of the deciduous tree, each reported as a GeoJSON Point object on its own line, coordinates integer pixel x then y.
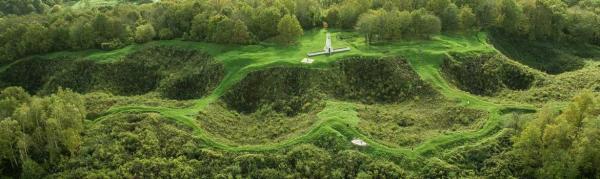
{"type": "Point", "coordinates": [289, 29]}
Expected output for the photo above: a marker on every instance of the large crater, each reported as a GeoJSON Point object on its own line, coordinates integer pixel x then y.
{"type": "Point", "coordinates": [175, 73]}
{"type": "Point", "coordinates": [292, 90]}
{"type": "Point", "coordinates": [486, 74]}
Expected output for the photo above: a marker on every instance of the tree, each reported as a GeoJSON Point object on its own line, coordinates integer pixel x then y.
{"type": "Point", "coordinates": [583, 25]}
{"type": "Point", "coordinates": [36, 39]}
{"type": "Point", "coordinates": [240, 33]}
{"type": "Point", "coordinates": [165, 34]}
{"type": "Point", "coordinates": [289, 29]}
{"type": "Point", "coordinates": [332, 17]}
{"type": "Point", "coordinates": [9, 131]}
{"type": "Point", "coordinates": [265, 21]}
{"type": "Point", "coordinates": [350, 162]}
{"type": "Point", "coordinates": [561, 145]}
{"type": "Point", "coordinates": [384, 169]}
{"type": "Point", "coordinates": [200, 29]}
{"type": "Point", "coordinates": [487, 13]}
{"type": "Point", "coordinates": [450, 18]}
{"type": "Point", "coordinates": [10, 99]}
{"type": "Point", "coordinates": [308, 160]}
{"type": "Point", "coordinates": [367, 25]}
{"type": "Point", "coordinates": [546, 18]}
{"type": "Point", "coordinates": [231, 31]}
{"type": "Point", "coordinates": [40, 130]}
{"type": "Point", "coordinates": [438, 6]}
{"type": "Point", "coordinates": [308, 13]}
{"type": "Point", "coordinates": [466, 18]}
{"type": "Point", "coordinates": [425, 24]}
{"type": "Point", "coordinates": [350, 11]}
{"type": "Point", "coordinates": [144, 33]}
{"type": "Point", "coordinates": [510, 16]}
{"type": "Point", "coordinates": [81, 34]}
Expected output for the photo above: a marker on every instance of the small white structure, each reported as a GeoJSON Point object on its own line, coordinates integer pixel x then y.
{"type": "Point", "coordinates": [359, 142]}
{"type": "Point", "coordinates": [328, 50]}
{"type": "Point", "coordinates": [307, 60]}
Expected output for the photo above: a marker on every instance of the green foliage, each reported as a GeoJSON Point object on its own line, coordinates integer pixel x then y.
{"type": "Point", "coordinates": [425, 25]}
{"type": "Point", "coordinates": [308, 13]}
{"type": "Point", "coordinates": [20, 7]}
{"type": "Point", "coordinates": [264, 126]}
{"type": "Point", "coordinates": [289, 29]}
{"type": "Point", "coordinates": [267, 19]}
{"type": "Point", "coordinates": [83, 27]}
{"type": "Point", "coordinates": [383, 169]}
{"type": "Point", "coordinates": [174, 73]}
{"type": "Point", "coordinates": [450, 18]}
{"type": "Point", "coordinates": [309, 161]}
{"type": "Point", "coordinates": [40, 130]}
{"type": "Point", "coordinates": [466, 18]}
{"type": "Point", "coordinates": [410, 123]}
{"type": "Point", "coordinates": [382, 25]}
{"type": "Point", "coordinates": [144, 33]}
{"type": "Point", "coordinates": [562, 145]}
{"type": "Point", "coordinates": [165, 34]}
{"type": "Point", "coordinates": [436, 168]}
{"type": "Point", "coordinates": [546, 18]}
{"type": "Point", "coordinates": [134, 144]}
{"type": "Point", "coordinates": [230, 31]}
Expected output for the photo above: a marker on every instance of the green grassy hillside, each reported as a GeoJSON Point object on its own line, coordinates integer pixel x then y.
{"type": "Point", "coordinates": [266, 100]}
{"type": "Point", "coordinates": [425, 57]}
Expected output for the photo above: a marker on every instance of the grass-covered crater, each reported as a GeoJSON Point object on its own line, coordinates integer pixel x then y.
{"type": "Point", "coordinates": [410, 123]}
{"type": "Point", "coordinates": [174, 73]}
{"type": "Point", "coordinates": [292, 90]}
{"type": "Point", "coordinates": [273, 103]}
{"type": "Point", "coordinates": [486, 74]}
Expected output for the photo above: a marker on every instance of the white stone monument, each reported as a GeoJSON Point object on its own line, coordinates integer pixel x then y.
{"type": "Point", "coordinates": [328, 50]}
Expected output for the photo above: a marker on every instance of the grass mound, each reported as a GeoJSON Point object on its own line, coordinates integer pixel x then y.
{"type": "Point", "coordinates": [175, 73]}
{"type": "Point", "coordinates": [486, 74]}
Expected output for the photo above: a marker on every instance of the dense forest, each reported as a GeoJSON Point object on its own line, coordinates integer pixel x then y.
{"type": "Point", "coordinates": [245, 22]}
{"type": "Point", "coordinates": [60, 117]}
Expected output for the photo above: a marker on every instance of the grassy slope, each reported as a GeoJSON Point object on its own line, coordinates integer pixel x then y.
{"type": "Point", "coordinates": [341, 117]}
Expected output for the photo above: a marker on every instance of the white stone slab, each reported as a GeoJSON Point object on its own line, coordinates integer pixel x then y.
{"type": "Point", "coordinates": [359, 142]}
{"type": "Point", "coordinates": [308, 60]}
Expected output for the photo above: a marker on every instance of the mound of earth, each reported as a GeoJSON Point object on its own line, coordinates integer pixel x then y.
{"type": "Point", "coordinates": [175, 73]}
{"type": "Point", "coordinates": [294, 90]}
{"type": "Point", "coordinates": [486, 74]}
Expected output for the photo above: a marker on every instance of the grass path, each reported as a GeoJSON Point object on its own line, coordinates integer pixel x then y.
{"type": "Point", "coordinates": [338, 117]}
